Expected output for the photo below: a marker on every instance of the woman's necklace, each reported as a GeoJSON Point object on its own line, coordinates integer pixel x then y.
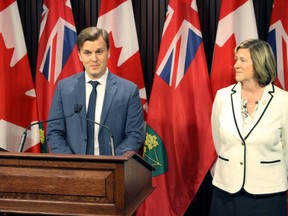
{"type": "Point", "coordinates": [251, 100]}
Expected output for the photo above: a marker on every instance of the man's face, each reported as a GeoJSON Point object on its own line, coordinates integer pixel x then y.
{"type": "Point", "coordinates": [94, 56]}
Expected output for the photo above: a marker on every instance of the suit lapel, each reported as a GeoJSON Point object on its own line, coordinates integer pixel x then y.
{"type": "Point", "coordinates": [236, 107]}
{"type": "Point", "coordinates": [265, 100]}
{"type": "Point", "coordinates": [80, 97]}
{"type": "Point", "coordinates": [111, 87]}
{"type": "Point", "coordinates": [80, 91]}
{"type": "Point", "coordinates": [264, 103]}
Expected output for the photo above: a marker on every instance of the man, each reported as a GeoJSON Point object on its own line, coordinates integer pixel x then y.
{"type": "Point", "coordinates": [118, 105]}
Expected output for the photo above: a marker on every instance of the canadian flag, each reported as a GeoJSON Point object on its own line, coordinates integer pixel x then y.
{"type": "Point", "coordinates": [236, 23]}
{"type": "Point", "coordinates": [18, 107]}
{"type": "Point", "coordinates": [117, 18]}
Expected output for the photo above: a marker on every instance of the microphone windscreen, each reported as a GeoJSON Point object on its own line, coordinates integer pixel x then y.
{"type": "Point", "coordinates": [77, 108]}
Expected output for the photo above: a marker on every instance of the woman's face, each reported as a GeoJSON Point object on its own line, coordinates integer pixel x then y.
{"type": "Point", "coordinates": [243, 66]}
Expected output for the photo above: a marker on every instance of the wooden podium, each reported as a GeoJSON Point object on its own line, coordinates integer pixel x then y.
{"type": "Point", "coordinates": [50, 184]}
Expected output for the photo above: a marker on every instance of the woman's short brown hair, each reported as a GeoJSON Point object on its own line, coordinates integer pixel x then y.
{"type": "Point", "coordinates": [263, 59]}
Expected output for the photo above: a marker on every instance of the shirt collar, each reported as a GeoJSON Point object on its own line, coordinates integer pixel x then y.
{"type": "Point", "coordinates": [101, 80]}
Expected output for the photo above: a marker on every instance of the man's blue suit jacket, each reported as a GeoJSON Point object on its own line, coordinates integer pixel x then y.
{"type": "Point", "coordinates": [122, 113]}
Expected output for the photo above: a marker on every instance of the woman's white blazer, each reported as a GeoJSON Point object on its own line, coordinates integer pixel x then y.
{"type": "Point", "coordinates": [256, 161]}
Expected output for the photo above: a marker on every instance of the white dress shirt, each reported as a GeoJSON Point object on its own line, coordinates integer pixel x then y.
{"type": "Point", "coordinates": [101, 87]}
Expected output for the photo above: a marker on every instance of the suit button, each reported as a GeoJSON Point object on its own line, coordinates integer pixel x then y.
{"type": "Point", "coordinates": [241, 163]}
{"type": "Point", "coordinates": [242, 144]}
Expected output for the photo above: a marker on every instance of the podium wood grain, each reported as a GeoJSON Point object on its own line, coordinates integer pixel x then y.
{"type": "Point", "coordinates": [73, 184]}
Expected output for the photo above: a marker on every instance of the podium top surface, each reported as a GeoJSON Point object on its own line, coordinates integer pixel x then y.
{"type": "Point", "coordinates": [77, 157]}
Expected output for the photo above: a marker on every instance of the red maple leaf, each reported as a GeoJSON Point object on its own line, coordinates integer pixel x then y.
{"type": "Point", "coordinates": [15, 105]}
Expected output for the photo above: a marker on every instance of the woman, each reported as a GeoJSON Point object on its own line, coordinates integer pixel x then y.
{"type": "Point", "coordinates": [250, 132]}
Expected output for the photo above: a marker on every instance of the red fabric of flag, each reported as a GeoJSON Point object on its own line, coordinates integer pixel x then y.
{"type": "Point", "coordinates": [178, 137]}
{"type": "Point", "coordinates": [18, 107]}
{"type": "Point", "coordinates": [236, 24]}
{"type": "Point", "coordinates": [277, 38]}
{"type": "Point", "coordinates": [57, 51]}
{"type": "Point", "coordinates": [117, 18]}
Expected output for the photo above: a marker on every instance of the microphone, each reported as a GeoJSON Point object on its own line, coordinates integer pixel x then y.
{"type": "Point", "coordinates": [78, 108]}
{"type": "Point", "coordinates": [24, 135]}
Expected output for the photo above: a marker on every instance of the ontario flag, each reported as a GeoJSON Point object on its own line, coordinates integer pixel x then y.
{"type": "Point", "coordinates": [236, 24]}
{"type": "Point", "coordinates": [117, 18]}
{"type": "Point", "coordinates": [178, 136]}
{"type": "Point", "coordinates": [18, 107]}
{"type": "Point", "coordinates": [57, 51]}
{"type": "Point", "coordinates": [278, 40]}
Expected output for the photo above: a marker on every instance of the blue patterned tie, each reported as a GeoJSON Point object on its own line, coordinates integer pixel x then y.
{"type": "Point", "coordinates": [91, 116]}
